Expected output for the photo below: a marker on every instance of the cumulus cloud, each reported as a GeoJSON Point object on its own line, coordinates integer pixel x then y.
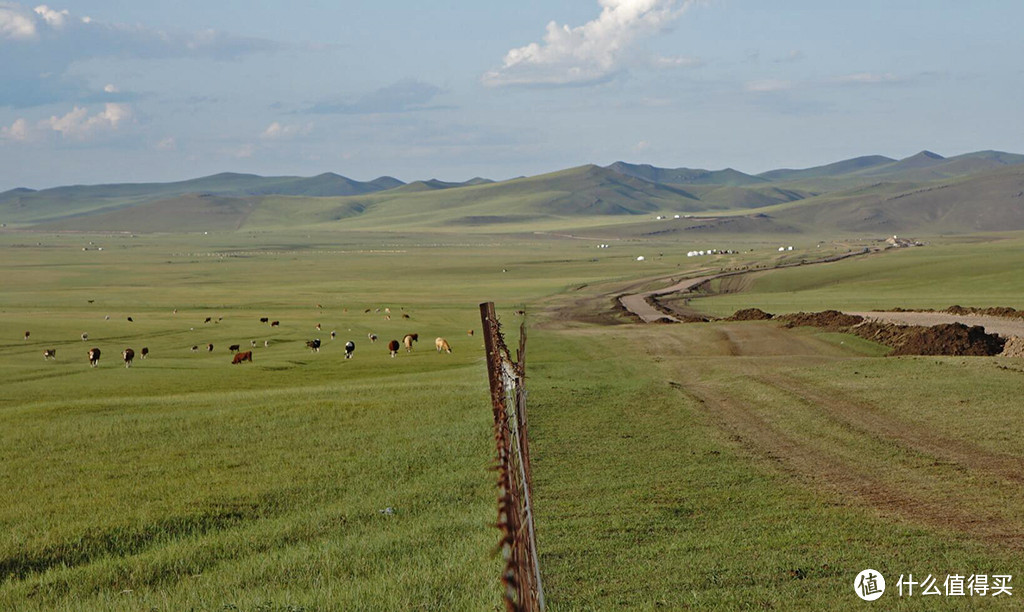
{"type": "Point", "coordinates": [591, 53]}
{"type": "Point", "coordinates": [16, 23]}
{"type": "Point", "coordinates": [19, 131]}
{"type": "Point", "coordinates": [404, 96]}
{"type": "Point", "coordinates": [38, 46]}
{"type": "Point", "coordinates": [76, 125]}
{"type": "Point", "coordinates": [283, 131]}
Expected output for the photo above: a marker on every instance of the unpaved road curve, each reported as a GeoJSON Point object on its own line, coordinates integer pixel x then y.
{"type": "Point", "coordinates": [1003, 326]}
{"type": "Point", "coordinates": [638, 305]}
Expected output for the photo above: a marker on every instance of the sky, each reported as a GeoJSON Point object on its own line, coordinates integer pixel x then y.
{"type": "Point", "coordinates": [97, 91]}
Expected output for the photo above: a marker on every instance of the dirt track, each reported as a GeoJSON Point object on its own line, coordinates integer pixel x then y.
{"type": "Point", "coordinates": [638, 305]}
{"type": "Point", "coordinates": [994, 325]}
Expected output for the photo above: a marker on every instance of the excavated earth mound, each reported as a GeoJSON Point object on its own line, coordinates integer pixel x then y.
{"type": "Point", "coordinates": [995, 311]}
{"type": "Point", "coordinates": [750, 314]}
{"type": "Point", "coordinates": [1014, 347]}
{"type": "Point", "coordinates": [832, 320]}
{"type": "Point", "coordinates": [947, 339]}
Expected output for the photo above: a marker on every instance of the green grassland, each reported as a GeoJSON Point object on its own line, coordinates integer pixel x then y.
{"type": "Point", "coordinates": [705, 466]}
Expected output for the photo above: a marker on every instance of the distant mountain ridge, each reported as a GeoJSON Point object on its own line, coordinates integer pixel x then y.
{"type": "Point", "coordinates": [868, 193]}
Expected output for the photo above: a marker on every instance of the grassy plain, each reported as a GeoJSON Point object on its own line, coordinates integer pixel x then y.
{"type": "Point", "coordinates": [706, 466]}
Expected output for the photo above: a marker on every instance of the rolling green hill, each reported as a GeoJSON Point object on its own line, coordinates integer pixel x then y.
{"type": "Point", "coordinates": [924, 192]}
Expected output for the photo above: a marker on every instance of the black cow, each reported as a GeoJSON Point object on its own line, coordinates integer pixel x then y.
{"type": "Point", "coordinates": [145, 351]}
{"type": "Point", "coordinates": [314, 345]}
{"type": "Point", "coordinates": [350, 347]}
{"type": "Point", "coordinates": [94, 357]}
{"type": "Point", "coordinates": [234, 348]}
{"type": "Point", "coordinates": [128, 355]}
{"type": "Point", "coordinates": [50, 354]}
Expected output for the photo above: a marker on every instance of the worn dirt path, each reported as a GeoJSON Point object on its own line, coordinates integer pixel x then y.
{"type": "Point", "coordinates": [637, 302]}
{"type": "Point", "coordinates": [1003, 326]}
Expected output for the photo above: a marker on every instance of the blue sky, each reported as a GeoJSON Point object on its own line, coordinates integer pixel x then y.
{"type": "Point", "coordinates": [105, 91]}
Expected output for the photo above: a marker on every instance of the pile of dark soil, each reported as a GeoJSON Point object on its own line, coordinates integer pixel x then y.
{"type": "Point", "coordinates": [994, 311]}
{"type": "Point", "coordinates": [949, 339]}
{"type": "Point", "coordinates": [750, 314]}
{"type": "Point", "coordinates": [832, 320]}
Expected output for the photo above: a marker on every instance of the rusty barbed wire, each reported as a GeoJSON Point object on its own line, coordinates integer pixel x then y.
{"type": "Point", "coordinates": [520, 579]}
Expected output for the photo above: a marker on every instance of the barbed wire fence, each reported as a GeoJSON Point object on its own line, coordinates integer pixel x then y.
{"type": "Point", "coordinates": [521, 576]}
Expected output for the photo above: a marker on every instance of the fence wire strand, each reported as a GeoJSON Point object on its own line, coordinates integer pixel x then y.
{"type": "Point", "coordinates": [521, 576]}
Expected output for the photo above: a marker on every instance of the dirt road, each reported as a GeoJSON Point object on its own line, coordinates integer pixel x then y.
{"type": "Point", "coordinates": [994, 325]}
{"type": "Point", "coordinates": [638, 305]}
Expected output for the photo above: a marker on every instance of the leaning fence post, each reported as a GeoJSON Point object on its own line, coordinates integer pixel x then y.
{"type": "Point", "coordinates": [521, 575]}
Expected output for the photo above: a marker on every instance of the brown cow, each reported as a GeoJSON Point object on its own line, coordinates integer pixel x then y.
{"type": "Point", "coordinates": [240, 357]}
{"type": "Point", "coordinates": [27, 334]}
{"type": "Point", "coordinates": [145, 351]}
{"type": "Point", "coordinates": [469, 332]}
{"type": "Point", "coordinates": [393, 347]}
{"type": "Point", "coordinates": [209, 348]}
{"type": "Point", "coordinates": [408, 340]}
{"type": "Point", "coordinates": [94, 357]}
{"type": "Point", "coordinates": [442, 345]}
{"type": "Point", "coordinates": [128, 356]}
{"type": "Point", "coordinates": [275, 323]}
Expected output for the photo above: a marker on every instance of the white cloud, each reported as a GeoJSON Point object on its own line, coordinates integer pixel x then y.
{"type": "Point", "coordinates": [768, 85]}
{"type": "Point", "coordinates": [19, 131]}
{"type": "Point", "coordinates": [80, 125]}
{"type": "Point", "coordinates": [110, 88]}
{"type": "Point", "coordinates": [15, 22]}
{"type": "Point", "coordinates": [590, 53]}
{"type": "Point", "coordinates": [281, 131]}
{"type": "Point", "coordinates": [867, 78]}
{"type": "Point", "coordinates": [52, 17]}
{"type": "Point", "coordinates": [167, 144]}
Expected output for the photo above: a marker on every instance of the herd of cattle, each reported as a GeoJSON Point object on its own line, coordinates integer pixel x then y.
{"type": "Point", "coordinates": [239, 356]}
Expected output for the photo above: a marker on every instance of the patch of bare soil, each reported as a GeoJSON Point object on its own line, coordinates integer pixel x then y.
{"type": "Point", "coordinates": [948, 339]}
{"type": "Point", "coordinates": [994, 311]}
{"type": "Point", "coordinates": [832, 320]}
{"type": "Point", "coordinates": [945, 339]}
{"type": "Point", "coordinates": [750, 314]}
{"type": "Point", "coordinates": [1014, 347]}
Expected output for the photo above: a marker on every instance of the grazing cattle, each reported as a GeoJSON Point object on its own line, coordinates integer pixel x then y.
{"type": "Point", "coordinates": [469, 332]}
{"type": "Point", "coordinates": [94, 357]}
{"type": "Point", "coordinates": [264, 319]}
{"type": "Point", "coordinates": [240, 357]}
{"type": "Point", "coordinates": [319, 306]}
{"type": "Point", "coordinates": [366, 311]}
{"type": "Point", "coordinates": [266, 343]}
{"type": "Point", "coordinates": [131, 320]}
{"type": "Point", "coordinates": [145, 351]}
{"type": "Point", "coordinates": [317, 327]}
{"type": "Point", "coordinates": [442, 345]}
{"type": "Point", "coordinates": [387, 310]}
{"type": "Point", "coordinates": [408, 340]}
{"type": "Point", "coordinates": [314, 345]}
{"type": "Point", "coordinates": [350, 347]}
{"type": "Point", "coordinates": [50, 354]}
{"type": "Point", "coordinates": [372, 337]}
{"type": "Point", "coordinates": [252, 344]}
{"type": "Point", "coordinates": [234, 348]}
{"type": "Point", "coordinates": [334, 334]}
{"type": "Point", "coordinates": [85, 336]}
{"type": "Point", "coordinates": [208, 319]}
{"type": "Point", "coordinates": [195, 348]}
{"type": "Point", "coordinates": [275, 323]}
{"type": "Point", "coordinates": [405, 316]}
{"type": "Point", "coordinates": [27, 334]}
{"type": "Point", "coordinates": [393, 347]}
{"type": "Point", "coordinates": [129, 356]}
{"type": "Point", "coordinates": [175, 311]}
{"type": "Point", "coordinates": [209, 348]}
